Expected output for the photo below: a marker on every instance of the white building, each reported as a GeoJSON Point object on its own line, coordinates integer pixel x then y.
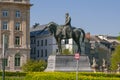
{"type": "Point", "coordinates": [42, 45]}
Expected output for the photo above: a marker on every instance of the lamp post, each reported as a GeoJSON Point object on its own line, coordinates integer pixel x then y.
{"type": "Point", "coordinates": [3, 59]}
{"type": "Point", "coordinates": [5, 46]}
{"type": "Point", "coordinates": [77, 57]}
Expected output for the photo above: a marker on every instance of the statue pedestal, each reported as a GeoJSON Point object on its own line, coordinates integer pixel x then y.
{"type": "Point", "coordinates": [68, 63]}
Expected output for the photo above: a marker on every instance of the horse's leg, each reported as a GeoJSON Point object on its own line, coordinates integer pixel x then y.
{"type": "Point", "coordinates": [78, 45]}
{"type": "Point", "coordinates": [79, 48]}
{"type": "Point", "coordinates": [60, 49]}
{"type": "Point", "coordinates": [59, 46]}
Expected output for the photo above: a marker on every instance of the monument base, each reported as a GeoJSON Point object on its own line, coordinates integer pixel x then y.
{"type": "Point", "coordinates": [68, 63]}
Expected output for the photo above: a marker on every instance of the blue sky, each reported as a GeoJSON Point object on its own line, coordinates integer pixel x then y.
{"type": "Point", "coordinates": [94, 16]}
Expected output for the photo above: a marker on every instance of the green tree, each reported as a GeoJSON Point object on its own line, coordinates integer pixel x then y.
{"type": "Point", "coordinates": [119, 37]}
{"type": "Point", "coordinates": [115, 59]}
{"type": "Point", "coordinates": [34, 66]}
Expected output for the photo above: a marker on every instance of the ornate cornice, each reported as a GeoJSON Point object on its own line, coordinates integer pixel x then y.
{"type": "Point", "coordinates": [5, 32]}
{"type": "Point", "coordinates": [18, 33]}
{"type": "Point", "coordinates": [16, 3]}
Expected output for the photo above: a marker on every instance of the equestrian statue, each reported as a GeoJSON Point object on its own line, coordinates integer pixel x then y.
{"type": "Point", "coordinates": [66, 31]}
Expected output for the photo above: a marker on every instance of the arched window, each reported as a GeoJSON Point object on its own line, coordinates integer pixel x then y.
{"type": "Point", "coordinates": [17, 60]}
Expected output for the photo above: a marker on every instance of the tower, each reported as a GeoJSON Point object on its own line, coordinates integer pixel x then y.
{"type": "Point", "coordinates": [15, 23]}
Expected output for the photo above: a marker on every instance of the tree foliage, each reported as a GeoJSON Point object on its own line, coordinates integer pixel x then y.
{"type": "Point", "coordinates": [34, 66]}
{"type": "Point", "coordinates": [115, 59]}
{"type": "Point", "coordinates": [119, 37]}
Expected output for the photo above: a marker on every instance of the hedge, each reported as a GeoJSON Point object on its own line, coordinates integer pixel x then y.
{"type": "Point", "coordinates": [17, 74]}
{"type": "Point", "coordinates": [59, 76]}
{"type": "Point", "coordinates": [71, 76]}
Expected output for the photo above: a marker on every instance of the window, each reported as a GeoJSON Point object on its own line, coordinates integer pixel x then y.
{"type": "Point", "coordinates": [6, 41]}
{"type": "Point", "coordinates": [17, 40]}
{"type": "Point", "coordinates": [31, 50]}
{"type": "Point", "coordinates": [45, 42]}
{"type": "Point", "coordinates": [31, 41]}
{"type": "Point", "coordinates": [41, 42]}
{"type": "Point", "coordinates": [38, 53]}
{"type": "Point", "coordinates": [41, 53]}
{"type": "Point", "coordinates": [38, 43]}
{"type": "Point", "coordinates": [17, 26]}
{"type": "Point", "coordinates": [34, 41]}
{"type": "Point", "coordinates": [5, 25]}
{"type": "Point", "coordinates": [56, 50]}
{"type": "Point", "coordinates": [66, 41]}
{"type": "Point", "coordinates": [5, 13]}
{"type": "Point", "coordinates": [34, 50]}
{"type": "Point", "coordinates": [17, 14]}
{"type": "Point", "coordinates": [6, 62]}
{"type": "Point", "coordinates": [17, 60]}
{"type": "Point", "coordinates": [46, 53]}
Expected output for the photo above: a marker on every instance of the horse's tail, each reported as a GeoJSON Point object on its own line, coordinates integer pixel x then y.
{"type": "Point", "coordinates": [83, 34]}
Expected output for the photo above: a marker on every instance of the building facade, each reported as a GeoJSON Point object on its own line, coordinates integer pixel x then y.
{"type": "Point", "coordinates": [14, 23]}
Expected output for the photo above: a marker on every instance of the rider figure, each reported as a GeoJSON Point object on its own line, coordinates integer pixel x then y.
{"type": "Point", "coordinates": [67, 26]}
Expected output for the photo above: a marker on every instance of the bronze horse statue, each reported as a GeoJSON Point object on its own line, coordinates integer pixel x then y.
{"type": "Point", "coordinates": [56, 30]}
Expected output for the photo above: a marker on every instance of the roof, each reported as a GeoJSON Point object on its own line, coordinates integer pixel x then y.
{"type": "Point", "coordinates": [111, 37]}
{"type": "Point", "coordinates": [37, 33]}
{"type": "Point", "coordinates": [105, 42]}
{"type": "Point", "coordinates": [94, 38]}
{"type": "Point", "coordinates": [37, 27]}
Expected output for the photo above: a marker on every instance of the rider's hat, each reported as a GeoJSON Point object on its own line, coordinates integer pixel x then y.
{"type": "Point", "coordinates": [67, 13]}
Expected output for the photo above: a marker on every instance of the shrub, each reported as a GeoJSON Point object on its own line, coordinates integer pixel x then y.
{"type": "Point", "coordinates": [34, 66]}
{"type": "Point", "coordinates": [10, 74]}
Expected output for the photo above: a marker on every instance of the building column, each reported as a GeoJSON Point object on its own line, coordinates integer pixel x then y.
{"type": "Point", "coordinates": [28, 28]}
{"type": "Point", "coordinates": [11, 28]}
{"type": "Point", "coordinates": [0, 30]}
{"type": "Point", "coordinates": [11, 62]}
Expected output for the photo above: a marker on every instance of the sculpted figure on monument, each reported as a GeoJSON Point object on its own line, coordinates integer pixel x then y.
{"type": "Point", "coordinates": [104, 64]}
{"type": "Point", "coordinates": [67, 32]}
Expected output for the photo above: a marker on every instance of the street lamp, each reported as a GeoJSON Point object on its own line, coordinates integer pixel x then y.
{"type": "Point", "coordinates": [3, 59]}
{"type": "Point", "coordinates": [5, 45]}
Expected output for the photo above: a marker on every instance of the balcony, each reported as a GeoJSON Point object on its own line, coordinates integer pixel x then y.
{"type": "Point", "coordinates": [16, 1]}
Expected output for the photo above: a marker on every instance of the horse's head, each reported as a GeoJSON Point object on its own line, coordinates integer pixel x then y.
{"type": "Point", "coordinates": [51, 27]}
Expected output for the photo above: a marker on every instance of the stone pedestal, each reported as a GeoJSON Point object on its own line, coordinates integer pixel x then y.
{"type": "Point", "coordinates": [67, 63]}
